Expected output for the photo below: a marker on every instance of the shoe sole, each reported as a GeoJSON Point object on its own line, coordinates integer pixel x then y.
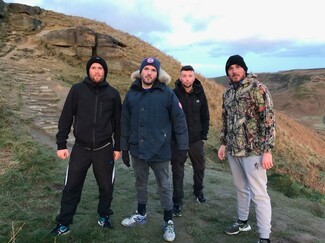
{"type": "Point", "coordinates": [240, 230]}
{"type": "Point", "coordinates": [199, 201]}
{"type": "Point", "coordinates": [134, 224]}
{"type": "Point", "coordinates": [169, 240]}
{"type": "Point", "coordinates": [103, 225]}
{"type": "Point", "coordinates": [56, 235]}
{"type": "Point", "coordinates": [177, 214]}
{"type": "Point", "coordinates": [65, 233]}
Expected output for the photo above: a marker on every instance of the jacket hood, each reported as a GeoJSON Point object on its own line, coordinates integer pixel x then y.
{"type": "Point", "coordinates": [163, 76]}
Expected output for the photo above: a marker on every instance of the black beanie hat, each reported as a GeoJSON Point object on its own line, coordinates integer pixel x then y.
{"type": "Point", "coordinates": [236, 59]}
{"type": "Point", "coordinates": [101, 61]}
{"type": "Point", "coordinates": [150, 61]}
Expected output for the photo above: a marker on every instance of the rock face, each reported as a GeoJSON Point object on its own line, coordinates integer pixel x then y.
{"type": "Point", "coordinates": [76, 41]}
{"type": "Point", "coordinates": [83, 42]}
{"type": "Point", "coordinates": [23, 17]}
{"type": "Point", "coordinates": [25, 22]}
{"type": "Point", "coordinates": [22, 8]}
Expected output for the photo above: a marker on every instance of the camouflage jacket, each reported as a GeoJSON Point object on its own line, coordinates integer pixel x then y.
{"type": "Point", "coordinates": [248, 121]}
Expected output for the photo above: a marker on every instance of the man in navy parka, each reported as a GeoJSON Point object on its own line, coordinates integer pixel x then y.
{"type": "Point", "coordinates": [151, 112]}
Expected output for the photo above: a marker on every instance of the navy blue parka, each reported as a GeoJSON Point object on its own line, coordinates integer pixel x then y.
{"type": "Point", "coordinates": [148, 119]}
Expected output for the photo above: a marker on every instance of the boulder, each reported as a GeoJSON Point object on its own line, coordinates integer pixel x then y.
{"type": "Point", "coordinates": [107, 40]}
{"type": "Point", "coordinates": [109, 52]}
{"type": "Point", "coordinates": [84, 42]}
{"type": "Point", "coordinates": [22, 8]}
{"type": "Point", "coordinates": [24, 22]}
{"type": "Point", "coordinates": [85, 37]}
{"type": "Point", "coordinates": [84, 51]}
{"type": "Point", "coordinates": [62, 37]}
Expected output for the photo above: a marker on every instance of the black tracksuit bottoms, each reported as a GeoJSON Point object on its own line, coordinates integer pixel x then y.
{"type": "Point", "coordinates": [197, 157]}
{"type": "Point", "coordinates": [103, 167]}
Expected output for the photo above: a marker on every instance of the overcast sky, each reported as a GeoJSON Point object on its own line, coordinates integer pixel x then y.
{"type": "Point", "coordinates": [271, 35]}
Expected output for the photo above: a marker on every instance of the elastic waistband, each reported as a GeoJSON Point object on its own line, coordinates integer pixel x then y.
{"type": "Point", "coordinates": [95, 149]}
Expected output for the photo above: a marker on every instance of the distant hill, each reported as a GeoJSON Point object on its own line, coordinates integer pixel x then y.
{"type": "Point", "coordinates": [43, 52]}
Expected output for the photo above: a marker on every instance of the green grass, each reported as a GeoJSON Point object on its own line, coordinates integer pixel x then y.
{"type": "Point", "coordinates": [30, 194]}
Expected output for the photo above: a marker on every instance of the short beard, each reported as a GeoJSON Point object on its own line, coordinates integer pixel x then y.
{"type": "Point", "coordinates": [97, 82]}
{"type": "Point", "coordinates": [187, 86]}
{"type": "Point", "coordinates": [148, 83]}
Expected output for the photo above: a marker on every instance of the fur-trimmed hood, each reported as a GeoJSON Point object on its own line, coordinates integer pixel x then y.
{"type": "Point", "coordinates": [163, 76]}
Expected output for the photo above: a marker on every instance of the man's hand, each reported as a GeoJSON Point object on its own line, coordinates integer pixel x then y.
{"type": "Point", "coordinates": [126, 158]}
{"type": "Point", "coordinates": [267, 162]}
{"type": "Point", "coordinates": [63, 153]}
{"type": "Point", "coordinates": [117, 155]}
{"type": "Point", "coordinates": [222, 152]}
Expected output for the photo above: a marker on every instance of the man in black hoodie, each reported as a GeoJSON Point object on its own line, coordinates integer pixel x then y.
{"type": "Point", "coordinates": [192, 97]}
{"type": "Point", "coordinates": [93, 107]}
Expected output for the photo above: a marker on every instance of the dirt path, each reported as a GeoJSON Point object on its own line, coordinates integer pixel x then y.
{"type": "Point", "coordinates": [41, 92]}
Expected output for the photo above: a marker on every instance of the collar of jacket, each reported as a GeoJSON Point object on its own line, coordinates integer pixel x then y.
{"type": "Point", "coordinates": [137, 85]}
{"type": "Point", "coordinates": [95, 85]}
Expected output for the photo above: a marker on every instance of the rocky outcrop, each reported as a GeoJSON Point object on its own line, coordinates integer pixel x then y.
{"type": "Point", "coordinates": [79, 41]}
{"type": "Point", "coordinates": [21, 16]}
{"type": "Point", "coordinates": [83, 42]}
{"type": "Point", "coordinates": [22, 8]}
{"type": "Point", "coordinates": [25, 22]}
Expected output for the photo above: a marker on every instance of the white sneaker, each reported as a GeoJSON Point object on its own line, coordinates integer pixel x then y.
{"type": "Point", "coordinates": [134, 219]}
{"type": "Point", "coordinates": [169, 233]}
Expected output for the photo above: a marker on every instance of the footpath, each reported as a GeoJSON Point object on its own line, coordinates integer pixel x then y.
{"type": "Point", "coordinates": [40, 92]}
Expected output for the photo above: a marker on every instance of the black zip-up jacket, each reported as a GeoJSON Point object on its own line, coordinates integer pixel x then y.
{"type": "Point", "coordinates": [196, 110]}
{"type": "Point", "coordinates": [95, 111]}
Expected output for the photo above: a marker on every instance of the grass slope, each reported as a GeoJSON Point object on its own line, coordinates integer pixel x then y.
{"type": "Point", "coordinates": [30, 194]}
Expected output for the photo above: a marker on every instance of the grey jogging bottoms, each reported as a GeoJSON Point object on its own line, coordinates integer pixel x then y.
{"type": "Point", "coordinates": [250, 180]}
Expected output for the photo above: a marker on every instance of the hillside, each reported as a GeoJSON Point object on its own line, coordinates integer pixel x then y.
{"type": "Point", "coordinates": [56, 60]}
{"type": "Point", "coordinates": [43, 52]}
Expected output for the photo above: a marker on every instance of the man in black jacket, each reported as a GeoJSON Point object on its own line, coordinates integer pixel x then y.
{"type": "Point", "coordinates": [93, 107]}
{"type": "Point", "coordinates": [192, 97]}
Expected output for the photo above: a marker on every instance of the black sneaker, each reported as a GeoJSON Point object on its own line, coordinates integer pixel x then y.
{"type": "Point", "coordinates": [177, 211]}
{"type": "Point", "coordinates": [60, 229]}
{"type": "Point", "coordinates": [237, 227]}
{"type": "Point", "coordinates": [200, 198]}
{"type": "Point", "coordinates": [264, 241]}
{"type": "Point", "coordinates": [105, 222]}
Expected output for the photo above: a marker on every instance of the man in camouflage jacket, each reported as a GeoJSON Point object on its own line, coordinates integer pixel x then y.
{"type": "Point", "coordinates": [247, 139]}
